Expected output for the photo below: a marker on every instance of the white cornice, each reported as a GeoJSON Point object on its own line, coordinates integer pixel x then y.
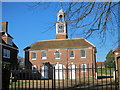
{"type": "Point", "coordinates": [58, 49]}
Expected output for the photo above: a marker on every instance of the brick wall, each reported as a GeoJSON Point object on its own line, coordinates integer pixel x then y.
{"type": "Point", "coordinates": [64, 58]}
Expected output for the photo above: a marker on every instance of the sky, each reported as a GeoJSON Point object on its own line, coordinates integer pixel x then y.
{"type": "Point", "coordinates": [28, 25]}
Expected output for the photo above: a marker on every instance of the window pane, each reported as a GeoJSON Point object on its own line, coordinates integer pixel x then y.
{"type": "Point", "coordinates": [57, 54]}
{"type": "Point", "coordinates": [33, 55]}
{"type": "Point", "coordinates": [9, 41]}
{"type": "Point", "coordinates": [71, 54]}
{"type": "Point", "coordinates": [6, 53]}
{"type": "Point", "coordinates": [43, 54]}
{"type": "Point", "coordinates": [82, 53]}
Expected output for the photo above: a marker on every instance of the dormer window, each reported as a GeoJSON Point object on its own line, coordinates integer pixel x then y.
{"type": "Point", "coordinates": [9, 41]}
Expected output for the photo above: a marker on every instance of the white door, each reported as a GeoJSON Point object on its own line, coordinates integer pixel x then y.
{"type": "Point", "coordinates": [72, 71]}
{"type": "Point", "coordinates": [44, 72]}
{"type": "Point", "coordinates": [59, 71]}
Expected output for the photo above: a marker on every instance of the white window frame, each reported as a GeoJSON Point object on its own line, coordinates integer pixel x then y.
{"type": "Point", "coordinates": [74, 55]}
{"type": "Point", "coordinates": [55, 54]}
{"type": "Point", "coordinates": [9, 41]}
{"type": "Point", "coordinates": [6, 53]}
{"type": "Point", "coordinates": [32, 56]}
{"type": "Point", "coordinates": [81, 53]}
{"type": "Point", "coordinates": [82, 67]}
{"type": "Point", "coordinates": [44, 57]}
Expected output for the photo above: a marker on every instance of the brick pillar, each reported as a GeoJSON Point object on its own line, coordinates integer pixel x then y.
{"type": "Point", "coordinates": [4, 26]}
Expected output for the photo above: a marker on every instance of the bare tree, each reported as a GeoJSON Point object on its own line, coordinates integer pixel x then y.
{"type": "Point", "coordinates": [90, 17]}
{"type": "Point", "coordinates": [102, 17]}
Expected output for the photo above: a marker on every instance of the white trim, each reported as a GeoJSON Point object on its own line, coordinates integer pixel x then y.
{"type": "Point", "coordinates": [43, 58]}
{"type": "Point", "coordinates": [6, 34]}
{"type": "Point", "coordinates": [83, 57]}
{"type": "Point", "coordinates": [57, 48]}
{"type": "Point", "coordinates": [72, 57]}
{"type": "Point", "coordinates": [34, 66]}
{"type": "Point", "coordinates": [90, 43]}
{"type": "Point", "coordinates": [116, 53]}
{"type": "Point", "coordinates": [57, 58]}
{"type": "Point", "coordinates": [33, 58]}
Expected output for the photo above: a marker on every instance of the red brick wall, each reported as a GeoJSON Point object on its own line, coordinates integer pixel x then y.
{"type": "Point", "coordinates": [61, 36]}
{"type": "Point", "coordinates": [4, 39]}
{"type": "Point", "coordinates": [65, 58]}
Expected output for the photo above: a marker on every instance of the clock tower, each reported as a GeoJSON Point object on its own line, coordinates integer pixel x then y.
{"type": "Point", "coordinates": [61, 26]}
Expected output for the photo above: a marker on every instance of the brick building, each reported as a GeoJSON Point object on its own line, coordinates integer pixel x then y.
{"type": "Point", "coordinates": [100, 64]}
{"type": "Point", "coordinates": [61, 52]}
{"type": "Point", "coordinates": [9, 49]}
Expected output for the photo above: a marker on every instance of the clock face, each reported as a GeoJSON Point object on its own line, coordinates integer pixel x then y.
{"type": "Point", "coordinates": [60, 28]}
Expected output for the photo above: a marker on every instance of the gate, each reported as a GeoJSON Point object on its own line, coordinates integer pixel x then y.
{"type": "Point", "coordinates": [89, 79]}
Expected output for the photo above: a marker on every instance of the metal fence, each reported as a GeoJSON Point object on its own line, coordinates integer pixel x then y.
{"type": "Point", "coordinates": [64, 78]}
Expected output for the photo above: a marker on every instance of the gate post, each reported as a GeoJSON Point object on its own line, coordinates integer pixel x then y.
{"type": "Point", "coordinates": [118, 66]}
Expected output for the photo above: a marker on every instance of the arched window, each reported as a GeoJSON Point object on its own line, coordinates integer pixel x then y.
{"type": "Point", "coordinates": [57, 55]}
{"type": "Point", "coordinates": [44, 55]}
{"type": "Point", "coordinates": [34, 67]}
{"type": "Point", "coordinates": [83, 67]}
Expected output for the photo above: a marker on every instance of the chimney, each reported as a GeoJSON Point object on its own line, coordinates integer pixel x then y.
{"type": "Point", "coordinates": [4, 26]}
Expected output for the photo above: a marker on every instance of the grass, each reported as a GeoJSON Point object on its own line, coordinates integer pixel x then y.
{"type": "Point", "coordinates": [105, 71]}
{"type": "Point", "coordinates": [18, 82]}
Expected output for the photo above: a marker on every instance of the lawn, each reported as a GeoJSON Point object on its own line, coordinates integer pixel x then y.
{"type": "Point", "coordinates": [105, 71]}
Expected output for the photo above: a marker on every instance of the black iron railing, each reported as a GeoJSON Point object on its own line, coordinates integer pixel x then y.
{"type": "Point", "coordinates": [64, 78]}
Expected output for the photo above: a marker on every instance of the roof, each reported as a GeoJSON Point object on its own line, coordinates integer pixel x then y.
{"type": "Point", "coordinates": [10, 45]}
{"type": "Point", "coordinates": [117, 49]}
{"type": "Point", "coordinates": [60, 43]}
{"type": "Point", "coordinates": [3, 34]}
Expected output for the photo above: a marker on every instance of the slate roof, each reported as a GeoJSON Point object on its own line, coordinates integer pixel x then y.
{"type": "Point", "coordinates": [59, 44]}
